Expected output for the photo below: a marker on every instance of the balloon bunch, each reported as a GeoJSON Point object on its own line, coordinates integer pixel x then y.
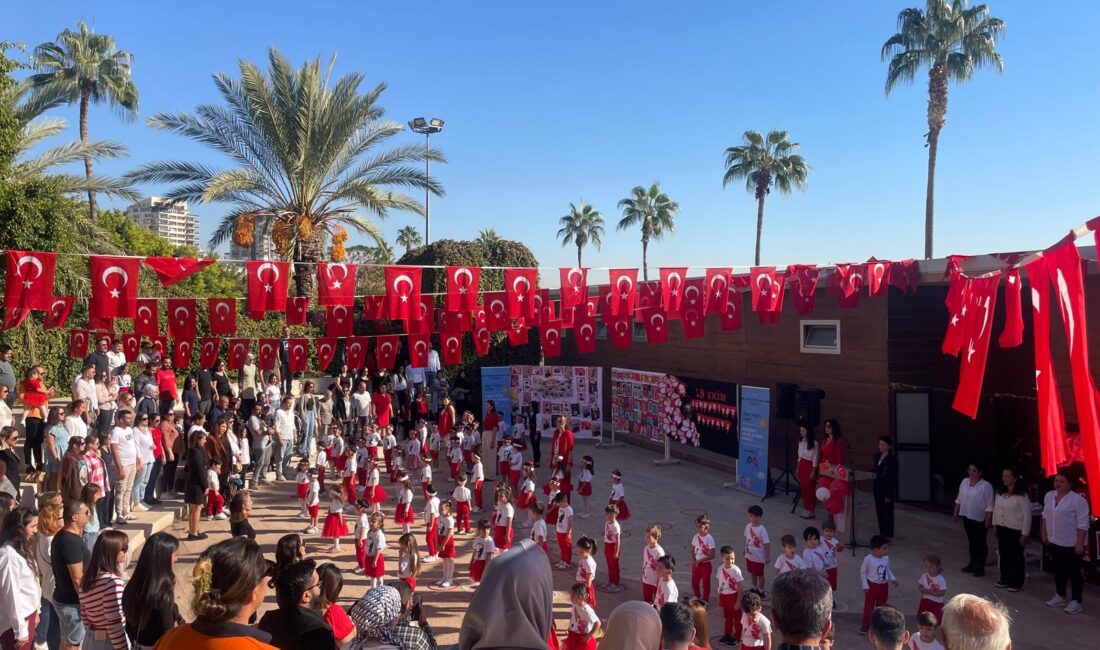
{"type": "Point", "coordinates": [833, 492]}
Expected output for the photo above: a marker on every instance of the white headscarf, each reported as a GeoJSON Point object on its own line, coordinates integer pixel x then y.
{"type": "Point", "coordinates": [512, 609]}
{"type": "Point", "coordinates": [634, 625]}
{"type": "Point", "coordinates": [375, 615]}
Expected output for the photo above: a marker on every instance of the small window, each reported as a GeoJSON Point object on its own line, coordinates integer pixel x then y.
{"type": "Point", "coordinates": [601, 331]}
{"type": "Point", "coordinates": [820, 336]}
{"type": "Point", "coordinates": [639, 333]}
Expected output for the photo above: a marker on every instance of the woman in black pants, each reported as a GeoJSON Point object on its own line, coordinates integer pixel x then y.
{"type": "Point", "coordinates": [974, 506]}
{"type": "Point", "coordinates": [1065, 525]}
{"type": "Point", "coordinates": [886, 485]}
{"type": "Point", "coordinates": [1012, 518]}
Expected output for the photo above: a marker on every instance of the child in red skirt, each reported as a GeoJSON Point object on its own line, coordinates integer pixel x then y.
{"type": "Point", "coordinates": [586, 566]}
{"type": "Point", "coordinates": [313, 501]}
{"type": "Point", "coordinates": [504, 459]}
{"type": "Point", "coordinates": [526, 494]}
{"type": "Point", "coordinates": [584, 485]}
{"type": "Point", "coordinates": [302, 479]}
{"type": "Point", "coordinates": [483, 548]}
{"type": "Point", "coordinates": [445, 540]}
{"type": "Point", "coordinates": [404, 514]}
{"type": "Point", "coordinates": [408, 560]}
{"type": "Point", "coordinates": [503, 514]}
{"type": "Point", "coordinates": [454, 458]}
{"type": "Point", "coordinates": [397, 465]}
{"type": "Point", "coordinates": [431, 523]}
{"type": "Point", "coordinates": [389, 443]}
{"type": "Point", "coordinates": [538, 528]}
{"type": "Point", "coordinates": [551, 490]}
{"type": "Point", "coordinates": [362, 531]}
{"type": "Point", "coordinates": [461, 496]}
{"type": "Point", "coordinates": [618, 495]}
{"type": "Point", "coordinates": [373, 492]}
{"type": "Point", "coordinates": [374, 563]}
{"type": "Point", "coordinates": [347, 469]}
{"type": "Point", "coordinates": [564, 530]}
{"type": "Point", "coordinates": [583, 621]}
{"type": "Point", "coordinates": [335, 526]}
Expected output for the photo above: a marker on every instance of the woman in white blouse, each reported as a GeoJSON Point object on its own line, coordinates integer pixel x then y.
{"type": "Point", "coordinates": [808, 451]}
{"type": "Point", "coordinates": [5, 411]}
{"type": "Point", "coordinates": [975, 506]}
{"type": "Point", "coordinates": [1012, 519]}
{"type": "Point", "coordinates": [1065, 524]}
{"type": "Point", "coordinates": [19, 592]}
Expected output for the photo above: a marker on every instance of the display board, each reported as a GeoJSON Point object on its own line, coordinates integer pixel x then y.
{"type": "Point", "coordinates": [545, 392]}
{"type": "Point", "coordinates": [634, 405]}
{"type": "Point", "coordinates": [496, 384]}
{"type": "Point", "coordinates": [752, 459]}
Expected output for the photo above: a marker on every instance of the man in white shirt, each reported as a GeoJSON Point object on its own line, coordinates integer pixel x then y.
{"type": "Point", "coordinates": [124, 451]}
{"type": "Point", "coordinates": [84, 389]}
{"type": "Point", "coordinates": [415, 377]}
{"type": "Point", "coordinates": [148, 354]}
{"type": "Point", "coordinates": [261, 445]}
{"type": "Point", "coordinates": [360, 407]}
{"type": "Point", "coordinates": [431, 378]}
{"type": "Point", "coordinates": [116, 359]}
{"type": "Point", "coordinates": [285, 431]}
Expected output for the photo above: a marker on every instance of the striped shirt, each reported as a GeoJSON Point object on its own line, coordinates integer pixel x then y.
{"type": "Point", "coordinates": [101, 609]}
{"type": "Point", "coordinates": [97, 471]}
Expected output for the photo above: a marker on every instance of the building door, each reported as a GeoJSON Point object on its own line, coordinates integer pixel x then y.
{"type": "Point", "coordinates": [912, 434]}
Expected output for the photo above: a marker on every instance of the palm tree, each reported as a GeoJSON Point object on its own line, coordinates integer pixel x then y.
{"type": "Point", "coordinates": [764, 162]}
{"type": "Point", "coordinates": [488, 236]}
{"type": "Point", "coordinates": [88, 68]}
{"type": "Point", "coordinates": [952, 41]}
{"type": "Point", "coordinates": [654, 212]}
{"type": "Point", "coordinates": [582, 225]}
{"type": "Point", "coordinates": [307, 157]}
{"type": "Point", "coordinates": [409, 237]}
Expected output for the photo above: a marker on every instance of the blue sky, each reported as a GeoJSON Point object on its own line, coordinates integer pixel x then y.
{"type": "Point", "coordinates": [546, 103]}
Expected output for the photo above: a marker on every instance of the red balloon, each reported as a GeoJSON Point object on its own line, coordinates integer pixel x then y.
{"type": "Point", "coordinates": [834, 505]}
{"type": "Point", "coordinates": [841, 488]}
{"type": "Point", "coordinates": [824, 482]}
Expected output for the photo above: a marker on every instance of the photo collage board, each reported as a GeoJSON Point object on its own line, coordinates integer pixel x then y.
{"type": "Point", "coordinates": [549, 391]}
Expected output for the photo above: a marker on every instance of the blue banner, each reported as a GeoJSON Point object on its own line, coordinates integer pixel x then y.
{"type": "Point", "coordinates": [496, 384]}
{"type": "Point", "coordinates": [752, 459]}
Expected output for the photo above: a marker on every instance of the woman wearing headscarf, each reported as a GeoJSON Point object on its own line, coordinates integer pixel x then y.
{"type": "Point", "coordinates": [512, 609]}
{"type": "Point", "coordinates": [634, 625]}
{"type": "Point", "coordinates": [375, 616]}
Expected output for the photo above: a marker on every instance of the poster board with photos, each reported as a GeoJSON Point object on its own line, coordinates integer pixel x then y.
{"type": "Point", "coordinates": [546, 392]}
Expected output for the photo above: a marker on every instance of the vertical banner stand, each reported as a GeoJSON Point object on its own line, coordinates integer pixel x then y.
{"type": "Point", "coordinates": [668, 459]}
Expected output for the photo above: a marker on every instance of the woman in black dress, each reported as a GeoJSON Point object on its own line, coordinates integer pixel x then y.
{"type": "Point", "coordinates": [194, 487]}
{"type": "Point", "coordinates": [886, 485]}
{"type": "Point", "coordinates": [149, 598]}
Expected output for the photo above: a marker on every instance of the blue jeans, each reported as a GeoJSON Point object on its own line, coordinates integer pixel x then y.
{"type": "Point", "coordinates": [141, 481]}
{"type": "Point", "coordinates": [48, 631]}
{"type": "Point", "coordinates": [431, 381]}
{"type": "Point", "coordinates": [307, 434]}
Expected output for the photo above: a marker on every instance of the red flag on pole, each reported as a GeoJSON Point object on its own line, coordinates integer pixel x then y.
{"type": "Point", "coordinates": [114, 286]}
{"type": "Point", "coordinates": [357, 352]}
{"type": "Point", "coordinates": [844, 283]}
{"type": "Point", "coordinates": [574, 287]}
{"type": "Point", "coordinates": [452, 348]}
{"type": "Point", "coordinates": [1052, 418]}
{"type": "Point", "coordinates": [648, 295]}
{"type": "Point", "coordinates": [550, 337]}
{"type": "Point", "coordinates": [402, 292]}
{"type": "Point", "coordinates": [336, 284]}
{"type": "Point", "coordinates": [181, 352]}
{"type": "Point", "coordinates": [78, 343]}
{"type": "Point", "coordinates": [731, 317]}
{"type": "Point", "coordinates": [222, 313]}
{"type": "Point", "coordinates": [181, 318]}
{"type": "Point", "coordinates": [426, 317]}
{"type": "Point", "coordinates": [29, 284]}
{"type": "Point", "coordinates": [297, 311]}
{"type": "Point", "coordinates": [297, 354]}
{"type": "Point", "coordinates": [385, 350]}
{"type": "Point", "coordinates": [238, 351]}
{"type": "Point", "coordinates": [979, 325]}
{"type": "Point", "coordinates": [803, 287]}
{"type": "Point", "coordinates": [584, 331]}
{"type": "Point", "coordinates": [695, 295]}
{"type": "Point", "coordinates": [338, 321]}
{"type": "Point", "coordinates": [171, 270]}
{"type": "Point", "coordinates": [326, 350]}
{"type": "Point", "coordinates": [269, 354]}
{"type": "Point", "coordinates": [374, 308]}
{"type": "Point", "coordinates": [656, 325]}
{"type": "Point", "coordinates": [463, 283]}
{"type": "Point", "coordinates": [160, 346]}
{"type": "Point", "coordinates": [957, 302]}
{"type": "Point", "coordinates": [1013, 333]}
{"type": "Point", "coordinates": [520, 286]}
{"type": "Point", "coordinates": [58, 314]}
{"type": "Point", "coordinates": [267, 286]}
{"type": "Point", "coordinates": [766, 289]}
{"type": "Point", "coordinates": [905, 275]}
{"type": "Point", "coordinates": [672, 287]}
{"type": "Point", "coordinates": [482, 336]}
{"type": "Point", "coordinates": [622, 292]}
{"type": "Point", "coordinates": [717, 284]}
{"type": "Point", "coordinates": [209, 347]}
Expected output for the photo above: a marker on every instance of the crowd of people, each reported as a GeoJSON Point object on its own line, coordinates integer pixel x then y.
{"type": "Point", "coordinates": [122, 444]}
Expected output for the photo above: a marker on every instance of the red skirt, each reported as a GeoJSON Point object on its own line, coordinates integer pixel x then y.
{"type": "Point", "coordinates": [585, 489]}
{"type": "Point", "coordinates": [574, 641]}
{"type": "Point", "coordinates": [361, 476]}
{"type": "Point", "coordinates": [448, 550]}
{"type": "Point", "coordinates": [624, 511]}
{"type": "Point", "coordinates": [335, 526]}
{"type": "Point", "coordinates": [313, 510]}
{"type": "Point", "coordinates": [404, 514]}
{"type": "Point", "coordinates": [477, 569]}
{"type": "Point", "coordinates": [376, 569]}
{"type": "Point", "coordinates": [525, 500]}
{"type": "Point", "coordinates": [303, 488]}
{"type": "Point", "coordinates": [411, 581]}
{"type": "Point", "coordinates": [505, 468]}
{"type": "Point", "coordinates": [339, 462]}
{"type": "Point", "coordinates": [378, 495]}
{"type": "Point", "coordinates": [503, 542]}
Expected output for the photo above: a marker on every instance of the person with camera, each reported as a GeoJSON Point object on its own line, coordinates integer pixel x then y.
{"type": "Point", "coordinates": [412, 626]}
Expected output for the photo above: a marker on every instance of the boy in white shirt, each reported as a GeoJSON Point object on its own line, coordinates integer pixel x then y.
{"type": "Point", "coordinates": [758, 548]}
{"type": "Point", "coordinates": [431, 523]}
{"type": "Point", "coordinates": [702, 552]}
{"type": "Point", "coordinates": [729, 595]}
{"type": "Point", "coordinates": [612, 537]}
{"type": "Point", "coordinates": [925, 639]}
{"type": "Point", "coordinates": [214, 500]}
{"type": "Point", "coordinates": [813, 556]}
{"type": "Point", "coordinates": [564, 530]}
{"type": "Point", "coordinates": [790, 560]}
{"type": "Point", "coordinates": [461, 495]}
{"type": "Point", "coordinates": [876, 577]}
{"type": "Point", "coordinates": [650, 555]}
{"type": "Point", "coordinates": [313, 501]}
{"type": "Point", "coordinates": [666, 586]}
{"type": "Point", "coordinates": [756, 629]}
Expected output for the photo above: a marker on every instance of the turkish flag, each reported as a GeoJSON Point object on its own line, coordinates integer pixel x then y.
{"type": "Point", "coordinates": [78, 343]}
{"type": "Point", "coordinates": [181, 318]}
{"type": "Point", "coordinates": [269, 354]}
{"type": "Point", "coordinates": [517, 333]}
{"type": "Point", "coordinates": [496, 310]}
{"type": "Point", "coordinates": [691, 320]}
{"type": "Point", "coordinates": [567, 316]}
{"type": "Point", "coordinates": [1013, 333]}
{"type": "Point", "coordinates": [160, 344]}
{"type": "Point", "coordinates": [267, 286]}
{"type": "Point", "coordinates": [114, 286]}
{"type": "Point", "coordinates": [979, 324]}
{"type": "Point", "coordinates": [454, 322]}
{"type": "Point", "coordinates": [717, 285]}
{"type": "Point", "coordinates": [297, 354]}
{"type": "Point", "coordinates": [844, 286]}
{"type": "Point", "coordinates": [181, 352]}
{"type": "Point", "coordinates": [482, 335]}
{"type": "Point", "coordinates": [649, 295]}
{"type": "Point", "coordinates": [374, 308]}
{"type": "Point", "coordinates": [463, 284]}
{"type": "Point", "coordinates": [357, 351]}
{"type": "Point", "coordinates": [419, 346]}
{"type": "Point", "coordinates": [452, 348]}
{"type": "Point", "coordinates": [953, 265]}
{"type": "Point", "coordinates": [695, 295]}
{"type": "Point", "coordinates": [425, 317]}
{"type": "Point", "coordinates": [603, 301]}
{"type": "Point", "coordinates": [905, 275]}
{"type": "Point", "coordinates": [656, 324]}
{"type": "Point", "coordinates": [238, 350]}
{"type": "Point", "coordinates": [1052, 417]}
{"type": "Point", "coordinates": [385, 350]}
{"type": "Point", "coordinates": [1066, 272]}
{"type": "Point", "coordinates": [772, 316]}
{"type": "Point", "coordinates": [672, 287]}
{"type": "Point", "coordinates": [520, 286]}
{"type": "Point", "coordinates": [803, 287]}
{"type": "Point", "coordinates": [766, 289]}
{"type": "Point", "coordinates": [574, 287]}
{"type": "Point", "coordinates": [223, 316]}
{"type": "Point", "coordinates": [402, 292]}
{"type": "Point", "coordinates": [338, 321]}
{"type": "Point", "coordinates": [131, 346]}
{"type": "Point", "coordinates": [547, 308]}
{"type": "Point", "coordinates": [480, 319]}
{"type": "Point", "coordinates": [209, 347]}
{"type": "Point", "coordinates": [879, 272]}
{"type": "Point", "coordinates": [171, 270]}
{"type": "Point", "coordinates": [58, 314]}
{"type": "Point", "coordinates": [622, 292]}
{"type": "Point", "coordinates": [621, 331]}
{"type": "Point", "coordinates": [731, 317]}
{"type": "Point", "coordinates": [29, 282]}
{"type": "Point", "coordinates": [550, 337]}
{"type": "Point", "coordinates": [326, 350]}
{"type": "Point", "coordinates": [584, 332]}
{"type": "Point", "coordinates": [297, 311]}
{"type": "Point", "coordinates": [146, 317]}
{"type": "Point", "coordinates": [336, 284]}
{"type": "Point", "coordinates": [957, 300]}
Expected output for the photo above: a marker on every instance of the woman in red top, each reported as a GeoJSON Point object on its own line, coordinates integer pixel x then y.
{"type": "Point", "coordinates": [446, 418]}
{"type": "Point", "coordinates": [35, 397]}
{"type": "Point", "coordinates": [331, 584]}
{"type": "Point", "coordinates": [832, 447]}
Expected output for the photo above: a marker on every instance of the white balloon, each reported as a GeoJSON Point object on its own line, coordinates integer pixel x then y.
{"type": "Point", "coordinates": [823, 493]}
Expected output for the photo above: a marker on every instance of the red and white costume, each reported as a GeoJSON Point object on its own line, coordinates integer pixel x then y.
{"type": "Point", "coordinates": [564, 532]}
{"type": "Point", "coordinates": [335, 526]}
{"type": "Point", "coordinates": [431, 519]}
{"type": "Point", "coordinates": [582, 618]}
{"type": "Point", "coordinates": [584, 485]}
{"type": "Point", "coordinates": [461, 495]}
{"type": "Point", "coordinates": [701, 547]}
{"type": "Point", "coordinates": [375, 557]}
{"type": "Point", "coordinates": [754, 628]}
{"type": "Point", "coordinates": [446, 537]}
{"type": "Point", "coordinates": [928, 602]}
{"type": "Point", "coordinates": [404, 513]}
{"type": "Point", "coordinates": [586, 573]}
{"type": "Point", "coordinates": [875, 576]}
{"type": "Point", "coordinates": [612, 536]}
{"type": "Point", "coordinates": [729, 598]}
{"type": "Point", "coordinates": [784, 564]}
{"type": "Point", "coordinates": [373, 490]}
{"type": "Point", "coordinates": [667, 592]}
{"type": "Point", "coordinates": [502, 528]}
{"type": "Point", "coordinates": [755, 557]}
{"type": "Point", "coordinates": [650, 555]}
{"type": "Point", "coordinates": [482, 552]}
{"type": "Point", "coordinates": [618, 498]}
{"type": "Point", "coordinates": [807, 461]}
{"type": "Point", "coordinates": [828, 551]}
{"type": "Point", "coordinates": [538, 535]}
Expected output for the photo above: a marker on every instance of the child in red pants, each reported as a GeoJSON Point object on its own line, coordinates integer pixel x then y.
{"type": "Point", "coordinates": [461, 496]}
{"type": "Point", "coordinates": [564, 530]}
{"type": "Point", "coordinates": [729, 596]}
{"type": "Point", "coordinates": [702, 551]}
{"type": "Point", "coordinates": [583, 621]}
{"type": "Point", "coordinates": [876, 577]}
{"type": "Point", "coordinates": [612, 537]}
{"type": "Point", "coordinates": [214, 500]}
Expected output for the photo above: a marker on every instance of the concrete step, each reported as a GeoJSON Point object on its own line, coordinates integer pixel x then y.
{"type": "Point", "coordinates": [147, 523]}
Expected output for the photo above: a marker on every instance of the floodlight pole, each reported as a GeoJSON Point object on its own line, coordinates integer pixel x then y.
{"type": "Point", "coordinates": [420, 125]}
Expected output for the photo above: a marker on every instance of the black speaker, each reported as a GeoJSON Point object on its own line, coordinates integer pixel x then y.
{"type": "Point", "coordinates": [784, 403]}
{"type": "Point", "coordinates": [807, 405]}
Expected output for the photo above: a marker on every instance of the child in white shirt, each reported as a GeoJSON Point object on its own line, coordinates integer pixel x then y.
{"type": "Point", "coordinates": [215, 502]}
{"type": "Point", "coordinates": [650, 555]}
{"type": "Point", "coordinates": [583, 621]}
{"type": "Point", "coordinates": [790, 560]}
{"type": "Point", "coordinates": [666, 586]}
{"type": "Point", "coordinates": [756, 629]}
{"type": "Point", "coordinates": [758, 548]}
{"type": "Point", "coordinates": [875, 576]}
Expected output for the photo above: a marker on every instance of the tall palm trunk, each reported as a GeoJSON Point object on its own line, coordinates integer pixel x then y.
{"type": "Point", "coordinates": [85, 98]}
{"type": "Point", "coordinates": [937, 116]}
{"type": "Point", "coordinates": [579, 248]}
{"type": "Point", "coordinates": [645, 256]}
{"type": "Point", "coordinates": [760, 194]}
{"type": "Point", "coordinates": [307, 252]}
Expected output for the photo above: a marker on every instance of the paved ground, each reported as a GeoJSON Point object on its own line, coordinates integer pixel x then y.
{"type": "Point", "coordinates": [674, 496]}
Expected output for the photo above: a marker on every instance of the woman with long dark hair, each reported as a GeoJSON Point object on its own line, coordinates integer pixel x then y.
{"type": "Point", "coordinates": [832, 447]}
{"type": "Point", "coordinates": [194, 487]}
{"type": "Point", "coordinates": [148, 601]}
{"type": "Point", "coordinates": [808, 451]}
{"type": "Point", "coordinates": [101, 593]}
{"type": "Point", "coordinates": [886, 485]}
{"type": "Point", "coordinates": [19, 590]}
{"type": "Point", "coordinates": [1012, 518]}
{"type": "Point", "coordinates": [288, 550]}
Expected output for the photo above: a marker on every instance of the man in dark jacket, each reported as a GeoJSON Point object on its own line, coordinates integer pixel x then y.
{"type": "Point", "coordinates": [297, 624]}
{"type": "Point", "coordinates": [99, 358]}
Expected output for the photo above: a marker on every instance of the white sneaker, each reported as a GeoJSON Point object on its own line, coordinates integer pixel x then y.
{"type": "Point", "coordinates": [221, 516]}
{"type": "Point", "coordinates": [131, 517]}
{"type": "Point", "coordinates": [357, 570]}
{"type": "Point", "coordinates": [431, 559]}
{"type": "Point", "coordinates": [446, 584]}
{"type": "Point", "coordinates": [210, 518]}
{"type": "Point", "coordinates": [41, 646]}
{"type": "Point", "coordinates": [140, 507]}
{"type": "Point", "coordinates": [1057, 601]}
{"type": "Point", "coordinates": [311, 530]}
{"type": "Point", "coordinates": [1074, 607]}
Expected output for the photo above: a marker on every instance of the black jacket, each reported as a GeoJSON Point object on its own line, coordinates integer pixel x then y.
{"type": "Point", "coordinates": [298, 629]}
